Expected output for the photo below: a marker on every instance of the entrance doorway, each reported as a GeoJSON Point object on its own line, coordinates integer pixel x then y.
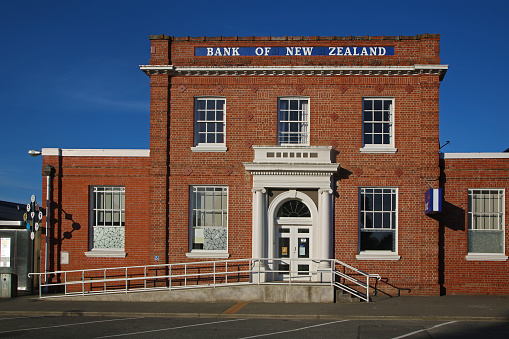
{"type": "Point", "coordinates": [293, 252]}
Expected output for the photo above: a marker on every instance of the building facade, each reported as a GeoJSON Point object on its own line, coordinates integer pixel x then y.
{"type": "Point", "coordinates": [307, 148]}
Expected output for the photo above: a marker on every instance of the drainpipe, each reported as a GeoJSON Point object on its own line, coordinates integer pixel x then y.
{"type": "Point", "coordinates": [48, 171]}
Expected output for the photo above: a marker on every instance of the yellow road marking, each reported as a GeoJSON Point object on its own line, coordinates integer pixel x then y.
{"type": "Point", "coordinates": [235, 308]}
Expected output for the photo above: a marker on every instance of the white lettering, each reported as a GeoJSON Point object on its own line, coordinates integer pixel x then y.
{"type": "Point", "coordinates": [218, 52]}
{"type": "Point", "coordinates": [372, 51]}
{"type": "Point", "coordinates": [340, 51]}
{"type": "Point", "coordinates": [381, 51]}
{"type": "Point", "coordinates": [259, 51]}
{"type": "Point", "coordinates": [297, 50]}
{"type": "Point", "coordinates": [364, 51]}
{"type": "Point", "coordinates": [226, 51]}
{"type": "Point", "coordinates": [355, 51]}
{"type": "Point", "coordinates": [235, 50]}
{"type": "Point", "coordinates": [331, 50]}
{"type": "Point", "coordinates": [267, 50]}
{"type": "Point", "coordinates": [307, 50]}
{"type": "Point", "coordinates": [209, 51]}
{"type": "Point", "coordinates": [347, 51]}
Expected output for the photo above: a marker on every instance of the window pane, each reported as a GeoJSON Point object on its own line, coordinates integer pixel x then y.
{"type": "Point", "coordinates": [377, 241]}
{"type": "Point", "coordinates": [368, 139]}
{"type": "Point", "coordinates": [200, 104]}
{"type": "Point", "coordinates": [107, 198]}
{"type": "Point", "coordinates": [485, 241]}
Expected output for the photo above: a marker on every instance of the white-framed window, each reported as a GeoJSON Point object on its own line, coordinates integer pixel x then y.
{"type": "Point", "coordinates": [107, 221]}
{"type": "Point", "coordinates": [209, 129]}
{"type": "Point", "coordinates": [378, 222]}
{"type": "Point", "coordinates": [293, 121]}
{"type": "Point", "coordinates": [209, 219]}
{"type": "Point", "coordinates": [378, 125]}
{"type": "Point", "coordinates": [486, 224]}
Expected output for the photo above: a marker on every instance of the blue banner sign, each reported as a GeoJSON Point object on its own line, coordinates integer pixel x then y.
{"type": "Point", "coordinates": [294, 51]}
{"type": "Point", "coordinates": [433, 200]}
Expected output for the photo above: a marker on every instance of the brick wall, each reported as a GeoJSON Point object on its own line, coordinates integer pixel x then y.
{"type": "Point", "coordinates": [459, 275]}
{"type": "Point", "coordinates": [70, 208]}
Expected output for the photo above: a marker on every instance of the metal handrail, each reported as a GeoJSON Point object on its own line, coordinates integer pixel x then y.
{"type": "Point", "coordinates": [175, 274]}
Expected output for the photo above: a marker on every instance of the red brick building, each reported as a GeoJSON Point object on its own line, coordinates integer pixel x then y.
{"type": "Point", "coordinates": [290, 147]}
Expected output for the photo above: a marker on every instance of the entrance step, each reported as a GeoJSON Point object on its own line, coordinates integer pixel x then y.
{"type": "Point", "coordinates": [343, 297]}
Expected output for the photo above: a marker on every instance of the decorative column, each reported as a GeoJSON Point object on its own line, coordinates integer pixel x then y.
{"type": "Point", "coordinates": [259, 211]}
{"type": "Point", "coordinates": [325, 232]}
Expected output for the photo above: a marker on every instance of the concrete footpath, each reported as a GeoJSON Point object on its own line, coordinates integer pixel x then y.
{"type": "Point", "coordinates": [486, 308]}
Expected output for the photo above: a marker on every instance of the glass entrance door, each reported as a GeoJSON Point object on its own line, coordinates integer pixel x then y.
{"type": "Point", "coordinates": [293, 248]}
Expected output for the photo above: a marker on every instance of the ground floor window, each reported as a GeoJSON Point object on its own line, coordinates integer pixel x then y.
{"type": "Point", "coordinates": [209, 218]}
{"type": "Point", "coordinates": [108, 217]}
{"type": "Point", "coordinates": [486, 221]}
{"type": "Point", "coordinates": [378, 219]}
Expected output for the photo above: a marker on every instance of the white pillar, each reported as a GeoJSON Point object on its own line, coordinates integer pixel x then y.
{"type": "Point", "coordinates": [259, 211]}
{"type": "Point", "coordinates": [325, 227]}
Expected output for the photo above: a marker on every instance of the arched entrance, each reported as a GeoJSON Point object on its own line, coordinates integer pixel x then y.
{"type": "Point", "coordinates": [293, 218]}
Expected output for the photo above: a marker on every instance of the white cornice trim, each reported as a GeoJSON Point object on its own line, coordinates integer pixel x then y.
{"type": "Point", "coordinates": [291, 169]}
{"type": "Point", "coordinates": [295, 70]}
{"type": "Point", "coordinates": [96, 152]}
{"type": "Point", "coordinates": [474, 155]}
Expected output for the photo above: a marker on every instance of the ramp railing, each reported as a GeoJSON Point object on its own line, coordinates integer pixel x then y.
{"type": "Point", "coordinates": [202, 274]}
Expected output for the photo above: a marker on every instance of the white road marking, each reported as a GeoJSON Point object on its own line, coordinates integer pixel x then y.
{"type": "Point", "coordinates": [294, 330]}
{"type": "Point", "coordinates": [425, 329]}
{"type": "Point", "coordinates": [66, 325]}
{"type": "Point", "coordinates": [169, 328]}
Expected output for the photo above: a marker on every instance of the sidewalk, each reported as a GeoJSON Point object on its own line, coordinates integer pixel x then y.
{"type": "Point", "coordinates": [408, 307]}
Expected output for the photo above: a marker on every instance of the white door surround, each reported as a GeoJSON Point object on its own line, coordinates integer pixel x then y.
{"type": "Point", "coordinates": [294, 168]}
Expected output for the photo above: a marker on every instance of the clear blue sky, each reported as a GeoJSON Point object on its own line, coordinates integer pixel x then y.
{"type": "Point", "coordinates": [69, 75]}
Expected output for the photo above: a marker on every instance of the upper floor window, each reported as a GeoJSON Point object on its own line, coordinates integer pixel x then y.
{"type": "Point", "coordinates": [293, 121]}
{"type": "Point", "coordinates": [486, 221]}
{"type": "Point", "coordinates": [378, 125]}
{"type": "Point", "coordinates": [108, 217]}
{"type": "Point", "coordinates": [209, 129]}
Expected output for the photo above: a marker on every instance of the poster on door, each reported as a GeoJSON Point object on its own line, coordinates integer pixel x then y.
{"type": "Point", "coordinates": [5, 252]}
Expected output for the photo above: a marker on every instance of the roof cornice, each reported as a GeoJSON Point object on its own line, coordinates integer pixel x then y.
{"type": "Point", "coordinates": [294, 70]}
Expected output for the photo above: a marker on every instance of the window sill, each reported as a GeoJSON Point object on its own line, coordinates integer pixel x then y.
{"type": "Point", "coordinates": [106, 253]}
{"type": "Point", "coordinates": [209, 148]}
{"type": "Point", "coordinates": [486, 257]}
{"type": "Point", "coordinates": [380, 149]}
{"type": "Point", "coordinates": [376, 255]}
{"type": "Point", "coordinates": [208, 254]}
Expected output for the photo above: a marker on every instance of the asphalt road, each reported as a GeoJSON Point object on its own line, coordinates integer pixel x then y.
{"type": "Point", "coordinates": [141, 327]}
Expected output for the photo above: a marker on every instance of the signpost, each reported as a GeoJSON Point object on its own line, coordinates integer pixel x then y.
{"type": "Point", "coordinates": [33, 217]}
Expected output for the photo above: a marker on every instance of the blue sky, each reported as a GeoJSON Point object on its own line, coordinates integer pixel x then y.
{"type": "Point", "coordinates": [69, 75]}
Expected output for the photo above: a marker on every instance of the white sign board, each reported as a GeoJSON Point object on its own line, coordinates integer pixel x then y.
{"type": "Point", "coordinates": [5, 252]}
